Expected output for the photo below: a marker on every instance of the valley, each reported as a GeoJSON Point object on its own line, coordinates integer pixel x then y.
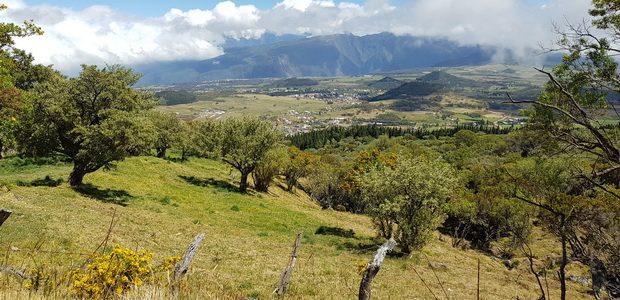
{"type": "Point", "coordinates": [473, 95]}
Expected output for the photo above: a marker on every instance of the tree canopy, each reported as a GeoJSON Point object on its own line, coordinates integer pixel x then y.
{"type": "Point", "coordinates": [94, 119]}
{"type": "Point", "coordinates": [243, 143]}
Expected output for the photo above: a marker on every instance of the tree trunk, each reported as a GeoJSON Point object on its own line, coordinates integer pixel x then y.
{"type": "Point", "coordinates": [1, 148]}
{"type": "Point", "coordinates": [161, 152]}
{"type": "Point", "coordinates": [243, 184]}
{"type": "Point", "coordinates": [77, 176]}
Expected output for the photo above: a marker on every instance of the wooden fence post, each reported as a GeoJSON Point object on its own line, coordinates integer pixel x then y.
{"type": "Point", "coordinates": [288, 271]}
{"type": "Point", "coordinates": [4, 214]}
{"type": "Point", "coordinates": [373, 269]}
{"type": "Point", "coordinates": [181, 268]}
{"type": "Point", "coordinates": [478, 290]}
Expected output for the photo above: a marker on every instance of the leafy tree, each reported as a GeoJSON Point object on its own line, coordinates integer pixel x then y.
{"type": "Point", "coordinates": [205, 138]}
{"type": "Point", "coordinates": [407, 201]}
{"type": "Point", "coordinates": [94, 119]}
{"type": "Point", "coordinates": [465, 138]}
{"type": "Point", "coordinates": [580, 90]}
{"type": "Point", "coordinates": [243, 143]}
{"type": "Point", "coordinates": [550, 186]}
{"type": "Point", "coordinates": [17, 73]}
{"type": "Point", "coordinates": [168, 131]}
{"type": "Point", "coordinates": [10, 31]}
{"type": "Point", "coordinates": [324, 186]}
{"type": "Point", "coordinates": [297, 164]}
{"type": "Point", "coordinates": [267, 169]}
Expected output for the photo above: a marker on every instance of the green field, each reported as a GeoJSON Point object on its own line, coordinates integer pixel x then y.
{"type": "Point", "coordinates": [161, 205]}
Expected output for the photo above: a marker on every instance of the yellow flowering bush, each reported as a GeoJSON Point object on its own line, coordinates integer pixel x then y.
{"type": "Point", "coordinates": [110, 275]}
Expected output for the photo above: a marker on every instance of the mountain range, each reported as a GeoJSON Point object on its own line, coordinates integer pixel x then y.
{"type": "Point", "coordinates": [320, 56]}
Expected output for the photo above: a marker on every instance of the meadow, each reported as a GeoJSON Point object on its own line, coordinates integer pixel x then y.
{"type": "Point", "coordinates": [160, 205]}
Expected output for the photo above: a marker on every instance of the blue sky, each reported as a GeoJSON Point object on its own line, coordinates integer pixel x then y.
{"type": "Point", "coordinates": [158, 7]}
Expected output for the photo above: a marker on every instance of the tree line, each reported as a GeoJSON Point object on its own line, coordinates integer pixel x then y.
{"type": "Point", "coordinates": [319, 138]}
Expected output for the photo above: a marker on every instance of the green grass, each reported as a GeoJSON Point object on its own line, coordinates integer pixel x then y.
{"type": "Point", "coordinates": [248, 237]}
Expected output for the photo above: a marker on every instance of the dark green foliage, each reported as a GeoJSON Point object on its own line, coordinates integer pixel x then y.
{"type": "Point", "coordinates": [319, 138]}
{"type": "Point", "coordinates": [169, 132]}
{"type": "Point", "coordinates": [175, 97]}
{"type": "Point", "coordinates": [243, 143]}
{"type": "Point", "coordinates": [94, 119]}
{"type": "Point", "coordinates": [406, 199]}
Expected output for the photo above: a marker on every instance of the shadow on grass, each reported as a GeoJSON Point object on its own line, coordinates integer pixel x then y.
{"type": "Point", "coordinates": [47, 181]}
{"type": "Point", "coordinates": [337, 231]}
{"type": "Point", "coordinates": [118, 197]}
{"type": "Point", "coordinates": [210, 182]}
{"type": "Point", "coordinates": [369, 247]}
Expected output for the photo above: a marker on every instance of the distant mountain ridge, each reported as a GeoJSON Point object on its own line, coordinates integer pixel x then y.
{"type": "Point", "coordinates": [321, 56]}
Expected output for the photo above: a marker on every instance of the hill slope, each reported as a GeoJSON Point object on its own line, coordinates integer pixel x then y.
{"type": "Point", "coordinates": [426, 85]}
{"type": "Point", "coordinates": [248, 237]}
{"type": "Point", "coordinates": [386, 83]}
{"type": "Point", "coordinates": [333, 55]}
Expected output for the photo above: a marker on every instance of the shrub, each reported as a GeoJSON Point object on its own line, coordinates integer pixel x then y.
{"type": "Point", "coordinates": [112, 274]}
{"type": "Point", "coordinates": [407, 201]}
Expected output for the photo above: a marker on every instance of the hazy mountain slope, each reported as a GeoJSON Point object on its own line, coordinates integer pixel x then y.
{"type": "Point", "coordinates": [333, 55]}
{"type": "Point", "coordinates": [386, 83]}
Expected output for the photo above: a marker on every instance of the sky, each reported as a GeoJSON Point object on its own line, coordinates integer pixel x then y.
{"type": "Point", "coordinates": [134, 32]}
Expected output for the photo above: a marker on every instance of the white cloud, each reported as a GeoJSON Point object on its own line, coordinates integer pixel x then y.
{"type": "Point", "coordinates": [228, 11]}
{"type": "Point", "coordinates": [303, 5]}
{"type": "Point", "coordinates": [194, 17]}
{"type": "Point", "coordinates": [100, 34]}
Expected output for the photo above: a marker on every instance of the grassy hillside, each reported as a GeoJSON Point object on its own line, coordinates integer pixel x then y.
{"type": "Point", "coordinates": [161, 205]}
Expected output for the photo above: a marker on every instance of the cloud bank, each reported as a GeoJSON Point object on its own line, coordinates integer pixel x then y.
{"type": "Point", "coordinates": [99, 34]}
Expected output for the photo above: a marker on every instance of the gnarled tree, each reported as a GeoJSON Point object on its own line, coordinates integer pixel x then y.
{"type": "Point", "coordinates": [94, 119]}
